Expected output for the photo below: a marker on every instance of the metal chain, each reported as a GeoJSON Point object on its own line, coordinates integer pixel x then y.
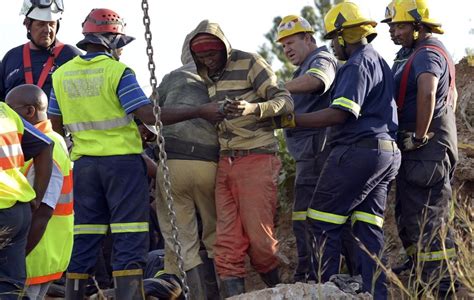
{"type": "Point", "coordinates": [162, 153]}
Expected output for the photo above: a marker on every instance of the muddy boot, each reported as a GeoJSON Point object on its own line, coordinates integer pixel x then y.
{"type": "Point", "coordinates": [271, 278]}
{"type": "Point", "coordinates": [232, 286]}
{"type": "Point", "coordinates": [76, 286]}
{"type": "Point", "coordinates": [195, 278]}
{"type": "Point", "coordinates": [129, 284]}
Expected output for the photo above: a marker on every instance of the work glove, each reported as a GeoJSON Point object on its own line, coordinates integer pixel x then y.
{"type": "Point", "coordinates": [410, 143]}
{"type": "Point", "coordinates": [284, 121]}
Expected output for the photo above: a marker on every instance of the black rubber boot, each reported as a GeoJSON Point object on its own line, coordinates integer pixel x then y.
{"type": "Point", "coordinates": [271, 278]}
{"type": "Point", "coordinates": [76, 286]}
{"type": "Point", "coordinates": [233, 286]}
{"type": "Point", "coordinates": [129, 285]}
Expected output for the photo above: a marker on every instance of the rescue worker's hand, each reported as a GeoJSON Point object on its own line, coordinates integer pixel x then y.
{"type": "Point", "coordinates": [410, 142]}
{"type": "Point", "coordinates": [211, 112]}
{"type": "Point", "coordinates": [284, 121]}
{"type": "Point", "coordinates": [237, 108]}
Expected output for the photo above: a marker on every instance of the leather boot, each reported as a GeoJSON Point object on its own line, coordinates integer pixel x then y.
{"type": "Point", "coordinates": [233, 286]}
{"type": "Point", "coordinates": [195, 279]}
{"type": "Point", "coordinates": [76, 286]}
{"type": "Point", "coordinates": [129, 284]}
{"type": "Point", "coordinates": [271, 278]}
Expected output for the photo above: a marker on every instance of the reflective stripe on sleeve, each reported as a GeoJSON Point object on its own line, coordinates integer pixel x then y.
{"type": "Point", "coordinates": [347, 103]}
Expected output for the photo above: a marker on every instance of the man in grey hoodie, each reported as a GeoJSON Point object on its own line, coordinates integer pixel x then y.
{"type": "Point", "coordinates": [193, 150]}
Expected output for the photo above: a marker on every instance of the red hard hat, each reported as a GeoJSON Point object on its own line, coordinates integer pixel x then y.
{"type": "Point", "coordinates": [102, 20]}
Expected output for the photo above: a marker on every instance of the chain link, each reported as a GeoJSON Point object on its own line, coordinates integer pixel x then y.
{"type": "Point", "coordinates": [161, 146]}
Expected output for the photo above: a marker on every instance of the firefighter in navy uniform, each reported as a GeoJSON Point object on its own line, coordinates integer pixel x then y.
{"type": "Point", "coordinates": [309, 89]}
{"type": "Point", "coordinates": [426, 98]}
{"type": "Point", "coordinates": [364, 157]}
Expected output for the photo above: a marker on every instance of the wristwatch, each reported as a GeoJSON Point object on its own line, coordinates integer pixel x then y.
{"type": "Point", "coordinates": [419, 142]}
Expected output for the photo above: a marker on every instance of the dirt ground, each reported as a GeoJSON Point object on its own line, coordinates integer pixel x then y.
{"type": "Point", "coordinates": [463, 187]}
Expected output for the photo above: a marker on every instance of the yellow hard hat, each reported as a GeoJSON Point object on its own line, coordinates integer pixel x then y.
{"type": "Point", "coordinates": [344, 15]}
{"type": "Point", "coordinates": [414, 11]}
{"type": "Point", "coordinates": [292, 24]}
{"type": "Point", "coordinates": [388, 12]}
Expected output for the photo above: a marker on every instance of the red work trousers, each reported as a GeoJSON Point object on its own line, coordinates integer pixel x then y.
{"type": "Point", "coordinates": [246, 196]}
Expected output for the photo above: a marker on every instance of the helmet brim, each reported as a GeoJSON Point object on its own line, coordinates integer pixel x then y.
{"type": "Point", "coordinates": [104, 40]}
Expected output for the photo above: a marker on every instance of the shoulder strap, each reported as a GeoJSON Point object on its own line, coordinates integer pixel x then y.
{"type": "Point", "coordinates": [47, 67]}
{"type": "Point", "coordinates": [406, 71]}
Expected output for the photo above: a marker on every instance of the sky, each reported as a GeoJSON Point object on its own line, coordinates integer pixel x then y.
{"type": "Point", "coordinates": [244, 22]}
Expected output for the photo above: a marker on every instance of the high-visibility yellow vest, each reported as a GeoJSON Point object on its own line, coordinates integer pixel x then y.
{"type": "Point", "coordinates": [51, 256]}
{"type": "Point", "coordinates": [13, 184]}
{"type": "Point", "coordinates": [86, 91]}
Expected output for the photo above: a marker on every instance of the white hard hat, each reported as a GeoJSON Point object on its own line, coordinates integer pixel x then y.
{"type": "Point", "coordinates": [43, 10]}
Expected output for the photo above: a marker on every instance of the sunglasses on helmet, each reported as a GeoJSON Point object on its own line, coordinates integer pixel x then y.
{"type": "Point", "coordinates": [47, 3]}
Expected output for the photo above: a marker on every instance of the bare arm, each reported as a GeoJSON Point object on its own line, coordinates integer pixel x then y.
{"type": "Point", "coordinates": [425, 102]}
{"type": "Point", "coordinates": [39, 222]}
{"type": "Point", "coordinates": [57, 122]}
{"type": "Point", "coordinates": [305, 84]}
{"type": "Point", "coordinates": [322, 118]}
{"type": "Point", "coordinates": [170, 115]}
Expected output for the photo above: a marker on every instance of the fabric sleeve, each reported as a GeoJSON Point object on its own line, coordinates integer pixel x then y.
{"type": "Point", "coordinates": [350, 90]}
{"type": "Point", "coordinates": [264, 82]}
{"type": "Point", "coordinates": [53, 106]}
{"type": "Point", "coordinates": [33, 141]}
{"type": "Point", "coordinates": [428, 61]}
{"type": "Point", "coordinates": [130, 93]}
{"type": "Point", "coordinates": [323, 68]}
{"type": "Point", "coordinates": [53, 191]}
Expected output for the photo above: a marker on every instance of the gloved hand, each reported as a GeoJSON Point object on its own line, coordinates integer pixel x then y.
{"type": "Point", "coordinates": [410, 143]}
{"type": "Point", "coordinates": [284, 121]}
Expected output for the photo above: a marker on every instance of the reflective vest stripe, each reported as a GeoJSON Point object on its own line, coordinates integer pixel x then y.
{"type": "Point", "coordinates": [67, 184]}
{"type": "Point", "coordinates": [437, 255]}
{"type": "Point", "coordinates": [367, 218]}
{"type": "Point", "coordinates": [12, 162]}
{"type": "Point", "coordinates": [326, 217]}
{"type": "Point", "coordinates": [99, 125]}
{"type": "Point", "coordinates": [10, 150]}
{"type": "Point", "coordinates": [65, 198]}
{"type": "Point", "coordinates": [43, 279]}
{"type": "Point", "coordinates": [90, 229]}
{"type": "Point", "coordinates": [129, 227]}
{"type": "Point", "coordinates": [63, 209]}
{"type": "Point", "coordinates": [298, 216]}
{"type": "Point", "coordinates": [10, 138]}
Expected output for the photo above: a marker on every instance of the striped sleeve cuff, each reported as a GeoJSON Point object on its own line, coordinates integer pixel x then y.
{"type": "Point", "coordinates": [347, 104]}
